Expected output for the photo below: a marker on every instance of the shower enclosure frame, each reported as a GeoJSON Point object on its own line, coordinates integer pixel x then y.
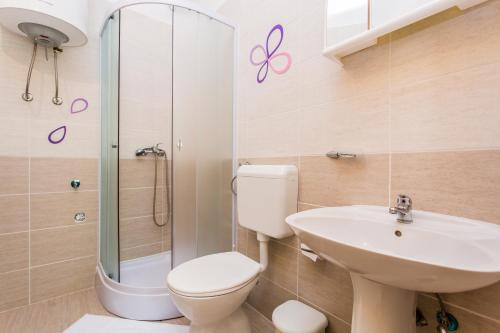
{"type": "Point", "coordinates": [146, 303]}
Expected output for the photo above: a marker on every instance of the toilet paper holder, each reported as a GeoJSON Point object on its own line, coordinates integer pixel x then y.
{"type": "Point", "coordinates": [308, 252]}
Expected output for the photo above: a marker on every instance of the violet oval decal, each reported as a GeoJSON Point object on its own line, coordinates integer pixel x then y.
{"type": "Point", "coordinates": [58, 135]}
{"type": "Point", "coordinates": [79, 105]}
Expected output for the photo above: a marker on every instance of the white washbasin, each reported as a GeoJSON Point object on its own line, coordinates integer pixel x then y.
{"type": "Point", "coordinates": [435, 253]}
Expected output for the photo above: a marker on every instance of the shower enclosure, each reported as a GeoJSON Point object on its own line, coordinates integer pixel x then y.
{"type": "Point", "coordinates": [167, 149]}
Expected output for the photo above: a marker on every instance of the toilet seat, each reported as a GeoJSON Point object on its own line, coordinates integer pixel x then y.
{"type": "Point", "coordinates": [213, 275]}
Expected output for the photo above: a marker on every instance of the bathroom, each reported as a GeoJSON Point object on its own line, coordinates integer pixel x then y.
{"type": "Point", "coordinates": [148, 149]}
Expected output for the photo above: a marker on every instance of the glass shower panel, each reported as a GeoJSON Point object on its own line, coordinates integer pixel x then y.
{"type": "Point", "coordinates": [214, 131]}
{"type": "Point", "coordinates": [109, 152]}
{"type": "Point", "coordinates": [145, 123]}
{"type": "Point", "coordinates": [203, 135]}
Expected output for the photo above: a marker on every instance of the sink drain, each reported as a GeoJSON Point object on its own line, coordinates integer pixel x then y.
{"type": "Point", "coordinates": [398, 233]}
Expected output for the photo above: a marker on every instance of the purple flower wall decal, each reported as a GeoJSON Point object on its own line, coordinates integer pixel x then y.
{"type": "Point", "coordinates": [269, 54]}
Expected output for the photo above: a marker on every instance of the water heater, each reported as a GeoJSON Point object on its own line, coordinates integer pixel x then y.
{"type": "Point", "coordinates": [51, 24]}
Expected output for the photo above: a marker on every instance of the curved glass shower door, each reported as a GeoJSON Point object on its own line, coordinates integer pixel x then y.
{"type": "Point", "coordinates": [108, 241]}
{"type": "Point", "coordinates": [203, 135]}
{"type": "Point", "coordinates": [167, 150]}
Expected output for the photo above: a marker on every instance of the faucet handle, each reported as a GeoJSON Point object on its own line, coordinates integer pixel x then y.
{"type": "Point", "coordinates": [403, 201]}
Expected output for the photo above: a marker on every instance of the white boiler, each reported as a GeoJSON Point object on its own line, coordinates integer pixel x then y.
{"type": "Point", "coordinates": [50, 24]}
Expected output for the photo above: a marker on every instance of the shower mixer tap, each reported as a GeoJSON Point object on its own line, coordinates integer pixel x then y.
{"type": "Point", "coordinates": [156, 150]}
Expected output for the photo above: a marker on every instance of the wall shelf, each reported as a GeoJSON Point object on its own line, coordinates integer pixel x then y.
{"type": "Point", "coordinates": [369, 38]}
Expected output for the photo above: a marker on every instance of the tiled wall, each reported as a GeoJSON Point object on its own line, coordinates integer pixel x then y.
{"type": "Point", "coordinates": [43, 252]}
{"type": "Point", "coordinates": [145, 120]}
{"type": "Point", "coordinates": [139, 236]}
{"type": "Point", "coordinates": [422, 110]}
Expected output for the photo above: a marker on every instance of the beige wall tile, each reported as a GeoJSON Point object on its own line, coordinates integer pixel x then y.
{"type": "Point", "coordinates": [138, 202]}
{"type": "Point", "coordinates": [82, 140]}
{"type": "Point", "coordinates": [485, 301]}
{"type": "Point", "coordinates": [14, 213]}
{"type": "Point", "coordinates": [266, 296]}
{"type": "Point", "coordinates": [327, 182]}
{"type": "Point", "coordinates": [358, 125]}
{"type": "Point", "coordinates": [13, 289]}
{"type": "Point", "coordinates": [57, 244]}
{"type": "Point", "coordinates": [61, 278]}
{"type": "Point", "coordinates": [59, 209]}
{"type": "Point", "coordinates": [140, 251]}
{"type": "Point", "coordinates": [292, 241]}
{"type": "Point", "coordinates": [327, 286]}
{"type": "Point", "coordinates": [259, 323]}
{"type": "Point", "coordinates": [140, 231]}
{"type": "Point", "coordinates": [452, 112]}
{"type": "Point", "coordinates": [242, 239]}
{"type": "Point", "coordinates": [13, 252]}
{"type": "Point", "coordinates": [282, 268]}
{"type": "Point", "coordinates": [15, 133]}
{"type": "Point", "coordinates": [140, 173]}
{"type": "Point", "coordinates": [304, 206]}
{"type": "Point", "coordinates": [448, 42]}
{"type": "Point", "coordinates": [323, 81]}
{"type": "Point", "coordinates": [276, 135]}
{"type": "Point", "coordinates": [55, 174]}
{"type": "Point", "coordinates": [455, 183]}
{"type": "Point", "coordinates": [14, 176]}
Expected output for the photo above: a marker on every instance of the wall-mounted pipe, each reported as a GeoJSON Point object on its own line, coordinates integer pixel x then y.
{"type": "Point", "coordinates": [263, 251]}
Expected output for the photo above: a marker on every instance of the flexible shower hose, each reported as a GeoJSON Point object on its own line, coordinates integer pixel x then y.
{"type": "Point", "coordinates": [167, 190]}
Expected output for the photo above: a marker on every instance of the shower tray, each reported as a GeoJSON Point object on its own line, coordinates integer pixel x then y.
{"type": "Point", "coordinates": [142, 293]}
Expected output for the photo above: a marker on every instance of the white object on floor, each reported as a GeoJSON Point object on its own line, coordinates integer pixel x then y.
{"type": "Point", "coordinates": [297, 317]}
{"type": "Point", "coordinates": [142, 293]}
{"type": "Point", "coordinates": [103, 324]}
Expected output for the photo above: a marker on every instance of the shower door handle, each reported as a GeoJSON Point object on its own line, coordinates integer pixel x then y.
{"type": "Point", "coordinates": [179, 145]}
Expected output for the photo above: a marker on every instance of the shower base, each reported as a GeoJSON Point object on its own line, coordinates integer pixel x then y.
{"type": "Point", "coordinates": [142, 293]}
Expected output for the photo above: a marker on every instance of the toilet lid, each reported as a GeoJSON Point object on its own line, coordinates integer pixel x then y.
{"type": "Point", "coordinates": [211, 275]}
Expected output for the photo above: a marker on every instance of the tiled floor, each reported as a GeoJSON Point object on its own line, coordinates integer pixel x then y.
{"type": "Point", "coordinates": [55, 315]}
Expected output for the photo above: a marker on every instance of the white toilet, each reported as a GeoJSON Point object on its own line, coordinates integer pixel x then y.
{"type": "Point", "coordinates": [210, 290]}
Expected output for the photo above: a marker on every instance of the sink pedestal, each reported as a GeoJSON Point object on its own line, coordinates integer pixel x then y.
{"type": "Point", "coordinates": [379, 308]}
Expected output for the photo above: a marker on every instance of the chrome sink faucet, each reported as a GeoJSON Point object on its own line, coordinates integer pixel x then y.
{"type": "Point", "coordinates": [403, 209]}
